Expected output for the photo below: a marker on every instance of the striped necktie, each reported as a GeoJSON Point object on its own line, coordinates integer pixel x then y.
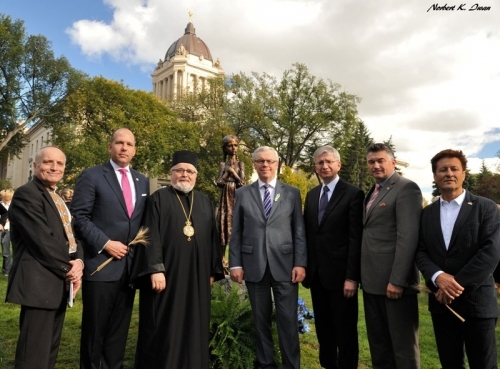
{"type": "Point", "coordinates": [374, 196]}
{"type": "Point", "coordinates": [267, 200]}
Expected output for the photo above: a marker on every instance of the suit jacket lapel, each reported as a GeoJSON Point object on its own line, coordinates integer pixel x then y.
{"type": "Point", "coordinates": [435, 224]}
{"type": "Point", "coordinates": [138, 190]}
{"type": "Point", "coordinates": [48, 198]}
{"type": "Point", "coordinates": [314, 198]}
{"type": "Point", "coordinates": [382, 193]}
{"type": "Point", "coordinates": [257, 197]}
{"type": "Point", "coordinates": [463, 214]}
{"type": "Point", "coordinates": [334, 199]}
{"type": "Point", "coordinates": [278, 195]}
{"type": "Point", "coordinates": [110, 176]}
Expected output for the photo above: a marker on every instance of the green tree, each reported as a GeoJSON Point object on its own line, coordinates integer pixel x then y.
{"type": "Point", "coordinates": [32, 80]}
{"type": "Point", "coordinates": [487, 184]}
{"type": "Point", "coordinates": [354, 168]}
{"type": "Point", "coordinates": [298, 179]}
{"type": "Point", "coordinates": [85, 121]}
{"type": "Point", "coordinates": [295, 115]}
{"type": "Point", "coordinates": [205, 109]}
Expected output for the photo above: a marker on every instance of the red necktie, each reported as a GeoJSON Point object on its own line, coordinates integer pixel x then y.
{"type": "Point", "coordinates": [127, 192]}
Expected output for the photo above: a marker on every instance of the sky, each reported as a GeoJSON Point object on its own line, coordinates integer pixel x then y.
{"type": "Point", "coordinates": [428, 73]}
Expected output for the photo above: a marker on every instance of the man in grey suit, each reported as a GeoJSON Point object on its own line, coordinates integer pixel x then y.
{"type": "Point", "coordinates": [107, 205]}
{"type": "Point", "coordinates": [458, 251]}
{"type": "Point", "coordinates": [389, 275]}
{"type": "Point", "coordinates": [267, 249]}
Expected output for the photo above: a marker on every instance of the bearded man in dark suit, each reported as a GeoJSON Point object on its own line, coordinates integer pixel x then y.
{"type": "Point", "coordinates": [46, 260]}
{"type": "Point", "coordinates": [458, 251]}
{"type": "Point", "coordinates": [333, 216]}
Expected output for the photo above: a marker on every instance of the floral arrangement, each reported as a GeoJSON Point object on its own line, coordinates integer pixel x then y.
{"type": "Point", "coordinates": [303, 313]}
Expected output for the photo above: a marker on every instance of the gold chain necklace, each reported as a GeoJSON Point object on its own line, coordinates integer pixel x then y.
{"type": "Point", "coordinates": [188, 229]}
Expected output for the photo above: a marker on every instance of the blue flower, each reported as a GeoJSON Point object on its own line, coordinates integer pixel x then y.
{"type": "Point", "coordinates": [302, 314]}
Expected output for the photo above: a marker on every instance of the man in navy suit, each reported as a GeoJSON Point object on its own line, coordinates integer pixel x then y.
{"type": "Point", "coordinates": [107, 206]}
{"type": "Point", "coordinates": [333, 215]}
{"type": "Point", "coordinates": [458, 251]}
{"type": "Point", "coordinates": [267, 249]}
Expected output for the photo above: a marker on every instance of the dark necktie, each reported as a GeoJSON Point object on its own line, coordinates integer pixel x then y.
{"type": "Point", "coordinates": [267, 200]}
{"type": "Point", "coordinates": [127, 192]}
{"type": "Point", "coordinates": [374, 196]}
{"type": "Point", "coordinates": [323, 203]}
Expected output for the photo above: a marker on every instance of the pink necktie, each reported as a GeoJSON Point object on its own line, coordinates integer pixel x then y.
{"type": "Point", "coordinates": [127, 192]}
{"type": "Point", "coordinates": [374, 196]}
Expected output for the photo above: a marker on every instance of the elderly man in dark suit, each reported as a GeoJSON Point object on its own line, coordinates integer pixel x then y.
{"type": "Point", "coordinates": [389, 276]}
{"type": "Point", "coordinates": [267, 249]}
{"type": "Point", "coordinates": [46, 260]}
{"type": "Point", "coordinates": [458, 251]}
{"type": "Point", "coordinates": [333, 215]}
{"type": "Point", "coordinates": [107, 205]}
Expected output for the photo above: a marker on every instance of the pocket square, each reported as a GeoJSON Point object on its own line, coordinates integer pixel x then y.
{"type": "Point", "coordinates": [144, 194]}
{"type": "Point", "coordinates": [381, 204]}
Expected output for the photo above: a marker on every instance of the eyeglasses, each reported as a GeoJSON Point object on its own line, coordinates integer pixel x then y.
{"type": "Point", "coordinates": [189, 172]}
{"type": "Point", "coordinates": [327, 162]}
{"type": "Point", "coordinates": [262, 161]}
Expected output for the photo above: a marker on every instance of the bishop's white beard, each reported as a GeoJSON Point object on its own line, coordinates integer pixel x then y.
{"type": "Point", "coordinates": [183, 187]}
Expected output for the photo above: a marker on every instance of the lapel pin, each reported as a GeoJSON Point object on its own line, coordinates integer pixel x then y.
{"type": "Point", "coordinates": [137, 179]}
{"type": "Point", "coordinates": [277, 197]}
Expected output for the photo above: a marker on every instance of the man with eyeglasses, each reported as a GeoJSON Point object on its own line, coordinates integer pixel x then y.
{"type": "Point", "coordinates": [267, 250]}
{"type": "Point", "coordinates": [175, 272]}
{"type": "Point", "coordinates": [333, 215]}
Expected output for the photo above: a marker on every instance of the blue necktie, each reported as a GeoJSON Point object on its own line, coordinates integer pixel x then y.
{"type": "Point", "coordinates": [323, 203]}
{"type": "Point", "coordinates": [267, 200]}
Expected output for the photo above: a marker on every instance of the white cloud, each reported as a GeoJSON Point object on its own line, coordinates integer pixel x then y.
{"type": "Point", "coordinates": [430, 79]}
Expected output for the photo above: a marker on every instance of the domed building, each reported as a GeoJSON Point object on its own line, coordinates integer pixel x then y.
{"type": "Point", "coordinates": [186, 66]}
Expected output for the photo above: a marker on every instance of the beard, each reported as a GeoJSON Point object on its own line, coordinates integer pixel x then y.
{"type": "Point", "coordinates": [183, 187]}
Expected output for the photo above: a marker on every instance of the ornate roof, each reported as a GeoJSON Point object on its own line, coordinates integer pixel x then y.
{"type": "Point", "coordinates": [189, 43]}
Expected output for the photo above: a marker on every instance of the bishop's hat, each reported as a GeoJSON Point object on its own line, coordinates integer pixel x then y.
{"type": "Point", "coordinates": [184, 156]}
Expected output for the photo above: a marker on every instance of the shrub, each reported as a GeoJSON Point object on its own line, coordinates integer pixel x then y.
{"type": "Point", "coordinates": [232, 339]}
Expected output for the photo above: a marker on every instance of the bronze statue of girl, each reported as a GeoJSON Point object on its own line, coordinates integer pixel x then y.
{"type": "Point", "coordinates": [231, 176]}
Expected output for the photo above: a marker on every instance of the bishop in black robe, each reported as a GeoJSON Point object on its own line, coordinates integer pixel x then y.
{"type": "Point", "coordinates": [174, 323]}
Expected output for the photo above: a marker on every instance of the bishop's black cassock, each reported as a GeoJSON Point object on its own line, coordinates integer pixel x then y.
{"type": "Point", "coordinates": [174, 324]}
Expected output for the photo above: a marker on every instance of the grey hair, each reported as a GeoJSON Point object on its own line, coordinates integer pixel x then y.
{"type": "Point", "coordinates": [39, 153]}
{"type": "Point", "coordinates": [327, 149]}
{"type": "Point", "coordinates": [264, 148]}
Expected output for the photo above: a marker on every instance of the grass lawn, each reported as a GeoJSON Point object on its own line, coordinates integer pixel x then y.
{"type": "Point", "coordinates": [69, 352]}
